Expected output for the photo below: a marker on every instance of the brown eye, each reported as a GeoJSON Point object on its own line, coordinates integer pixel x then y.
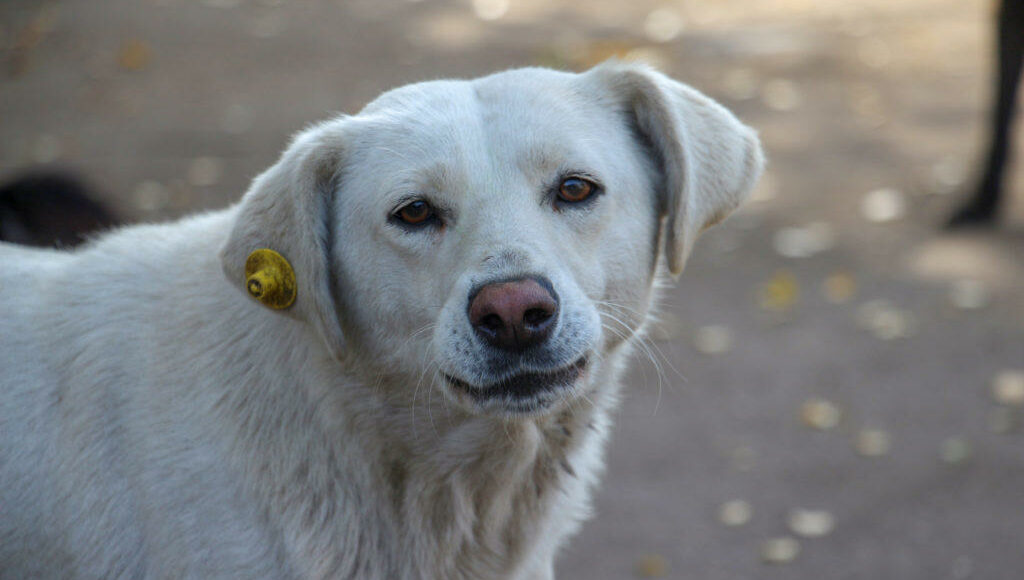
{"type": "Point", "coordinates": [415, 213]}
{"type": "Point", "coordinates": [575, 190]}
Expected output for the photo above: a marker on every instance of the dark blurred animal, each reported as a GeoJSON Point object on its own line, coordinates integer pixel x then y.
{"type": "Point", "coordinates": [983, 206]}
{"type": "Point", "coordinates": [50, 209]}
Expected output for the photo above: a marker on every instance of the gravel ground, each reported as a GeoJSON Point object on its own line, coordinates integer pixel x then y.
{"type": "Point", "coordinates": [825, 370]}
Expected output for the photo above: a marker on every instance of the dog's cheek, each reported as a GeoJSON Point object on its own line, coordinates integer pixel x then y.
{"type": "Point", "coordinates": [452, 348]}
{"type": "Point", "coordinates": [372, 316]}
{"type": "Point", "coordinates": [629, 272]}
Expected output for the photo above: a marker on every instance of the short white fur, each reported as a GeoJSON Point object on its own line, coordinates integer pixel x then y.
{"type": "Point", "coordinates": [157, 422]}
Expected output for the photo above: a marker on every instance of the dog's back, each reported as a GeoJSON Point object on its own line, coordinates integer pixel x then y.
{"type": "Point", "coordinates": [40, 427]}
{"type": "Point", "coordinates": [23, 526]}
{"type": "Point", "coordinates": [94, 428]}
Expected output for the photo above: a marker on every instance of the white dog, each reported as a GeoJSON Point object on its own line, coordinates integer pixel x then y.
{"type": "Point", "coordinates": [446, 288]}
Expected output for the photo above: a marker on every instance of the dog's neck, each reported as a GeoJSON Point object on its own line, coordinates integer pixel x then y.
{"type": "Point", "coordinates": [469, 496]}
{"type": "Point", "coordinates": [481, 491]}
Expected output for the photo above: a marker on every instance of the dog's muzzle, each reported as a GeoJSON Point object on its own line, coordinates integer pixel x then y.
{"type": "Point", "coordinates": [525, 392]}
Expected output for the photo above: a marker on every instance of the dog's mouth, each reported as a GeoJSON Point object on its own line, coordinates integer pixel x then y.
{"type": "Point", "coordinates": [526, 392]}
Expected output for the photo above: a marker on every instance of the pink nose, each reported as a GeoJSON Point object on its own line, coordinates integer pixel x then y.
{"type": "Point", "coordinates": [514, 315]}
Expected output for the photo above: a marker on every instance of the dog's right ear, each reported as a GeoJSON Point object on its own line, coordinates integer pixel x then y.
{"type": "Point", "coordinates": [284, 223]}
{"type": "Point", "coordinates": [709, 160]}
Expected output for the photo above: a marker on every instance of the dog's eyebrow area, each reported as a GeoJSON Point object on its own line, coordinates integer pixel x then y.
{"type": "Point", "coordinates": [551, 159]}
{"type": "Point", "coordinates": [432, 181]}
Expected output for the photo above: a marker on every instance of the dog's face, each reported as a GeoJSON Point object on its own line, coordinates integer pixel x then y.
{"type": "Point", "coordinates": [498, 239]}
{"type": "Point", "coordinates": [482, 229]}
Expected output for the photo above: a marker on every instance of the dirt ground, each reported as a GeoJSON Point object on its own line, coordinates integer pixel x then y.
{"type": "Point", "coordinates": [824, 371]}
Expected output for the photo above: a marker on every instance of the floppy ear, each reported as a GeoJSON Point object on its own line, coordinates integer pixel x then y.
{"type": "Point", "coordinates": [288, 210]}
{"type": "Point", "coordinates": [709, 160]}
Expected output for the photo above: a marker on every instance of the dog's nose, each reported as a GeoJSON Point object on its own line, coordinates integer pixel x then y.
{"type": "Point", "coordinates": [514, 315]}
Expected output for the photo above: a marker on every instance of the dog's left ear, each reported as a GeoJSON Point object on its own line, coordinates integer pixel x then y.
{"type": "Point", "coordinates": [284, 224]}
{"type": "Point", "coordinates": [709, 160]}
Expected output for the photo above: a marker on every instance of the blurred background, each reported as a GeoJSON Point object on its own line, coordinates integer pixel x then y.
{"type": "Point", "coordinates": [835, 387]}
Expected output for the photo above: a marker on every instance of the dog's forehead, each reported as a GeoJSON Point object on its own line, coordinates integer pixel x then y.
{"type": "Point", "coordinates": [513, 87]}
{"type": "Point", "coordinates": [515, 112]}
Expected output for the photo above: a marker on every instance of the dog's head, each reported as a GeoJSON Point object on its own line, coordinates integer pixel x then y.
{"type": "Point", "coordinates": [501, 235]}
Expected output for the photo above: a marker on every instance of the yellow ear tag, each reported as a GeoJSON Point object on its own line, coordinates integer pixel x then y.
{"type": "Point", "coordinates": [270, 279]}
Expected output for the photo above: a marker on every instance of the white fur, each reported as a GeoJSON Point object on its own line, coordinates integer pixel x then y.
{"type": "Point", "coordinates": [157, 422]}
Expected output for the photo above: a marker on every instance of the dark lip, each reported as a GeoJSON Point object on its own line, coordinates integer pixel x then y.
{"type": "Point", "coordinates": [523, 387]}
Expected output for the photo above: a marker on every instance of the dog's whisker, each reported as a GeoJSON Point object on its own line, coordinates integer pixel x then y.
{"type": "Point", "coordinates": [425, 328]}
{"type": "Point", "coordinates": [430, 385]}
{"type": "Point", "coordinates": [644, 345]}
{"type": "Point", "coordinates": [426, 368]}
{"type": "Point", "coordinates": [434, 378]}
{"type": "Point", "coordinates": [415, 396]}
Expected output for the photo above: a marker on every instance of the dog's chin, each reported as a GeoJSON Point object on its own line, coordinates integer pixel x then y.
{"type": "Point", "coordinates": [523, 394]}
